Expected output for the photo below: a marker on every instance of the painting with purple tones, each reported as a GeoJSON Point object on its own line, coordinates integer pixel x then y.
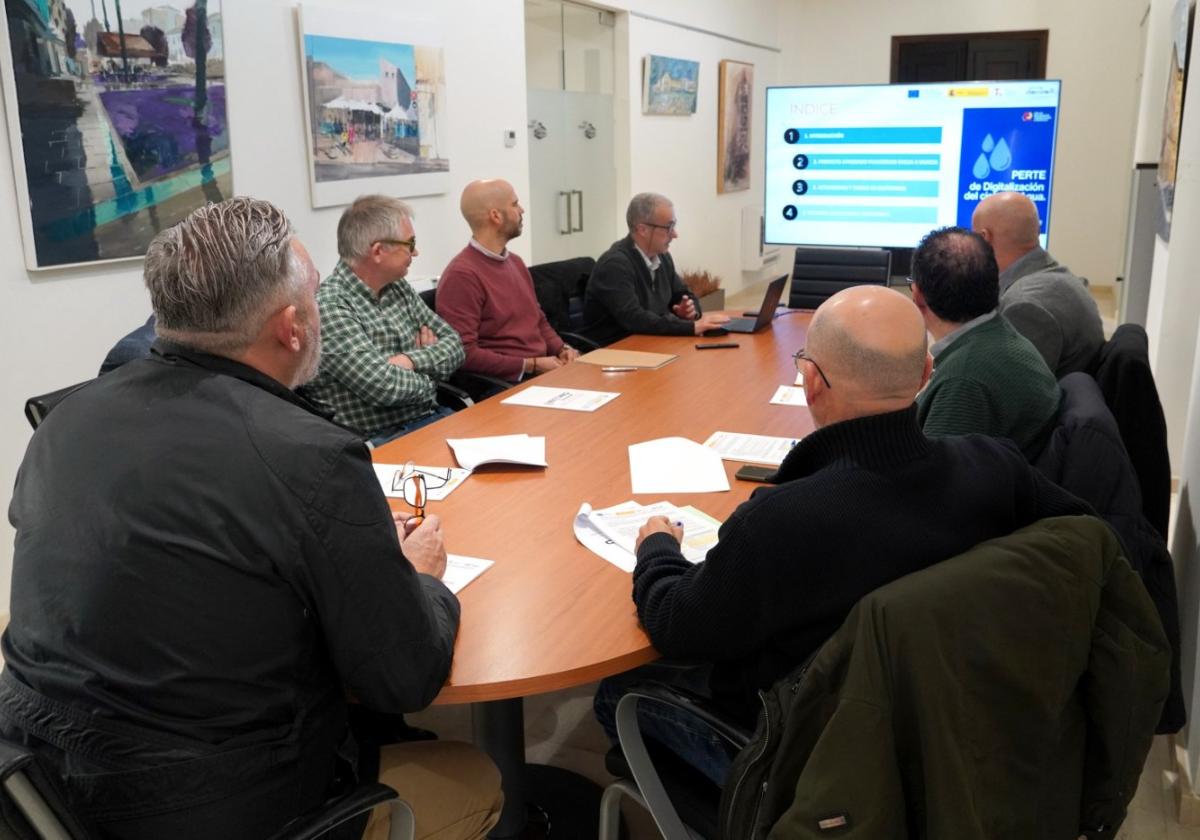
{"type": "Point", "coordinates": [375, 101]}
{"type": "Point", "coordinates": [119, 126]}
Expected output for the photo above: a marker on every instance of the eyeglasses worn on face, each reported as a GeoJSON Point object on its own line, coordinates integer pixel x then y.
{"type": "Point", "coordinates": [410, 244]}
{"type": "Point", "coordinates": [800, 356]}
{"type": "Point", "coordinates": [667, 228]}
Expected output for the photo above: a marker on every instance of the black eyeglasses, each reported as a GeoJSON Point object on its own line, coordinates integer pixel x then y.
{"type": "Point", "coordinates": [410, 244]}
{"type": "Point", "coordinates": [669, 227]}
{"type": "Point", "coordinates": [414, 485]}
{"type": "Point", "coordinates": [800, 356]}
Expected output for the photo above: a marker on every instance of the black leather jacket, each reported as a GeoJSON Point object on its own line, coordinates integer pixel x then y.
{"type": "Point", "coordinates": [204, 567]}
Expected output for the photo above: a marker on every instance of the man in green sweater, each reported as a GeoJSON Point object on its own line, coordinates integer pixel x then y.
{"type": "Point", "coordinates": [987, 378]}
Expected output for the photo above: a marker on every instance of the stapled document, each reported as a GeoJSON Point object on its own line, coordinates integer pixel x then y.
{"type": "Point", "coordinates": [612, 532]}
{"type": "Point", "coordinates": [787, 395]}
{"type": "Point", "coordinates": [440, 482]}
{"type": "Point", "coordinates": [499, 449]}
{"type": "Point", "coordinates": [571, 399]}
{"type": "Point", "coordinates": [754, 449]}
{"type": "Point", "coordinates": [462, 570]}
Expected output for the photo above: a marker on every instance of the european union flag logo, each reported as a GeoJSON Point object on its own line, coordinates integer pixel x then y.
{"type": "Point", "coordinates": [914, 94]}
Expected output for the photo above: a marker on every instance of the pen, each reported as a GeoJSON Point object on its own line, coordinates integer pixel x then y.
{"type": "Point", "coordinates": [616, 369]}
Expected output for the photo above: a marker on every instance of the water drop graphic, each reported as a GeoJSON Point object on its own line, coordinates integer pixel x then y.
{"type": "Point", "coordinates": [981, 169]}
{"type": "Point", "coordinates": [1001, 157]}
{"type": "Point", "coordinates": [988, 143]}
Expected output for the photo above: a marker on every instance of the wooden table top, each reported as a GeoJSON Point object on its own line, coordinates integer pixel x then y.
{"type": "Point", "coordinates": [550, 614]}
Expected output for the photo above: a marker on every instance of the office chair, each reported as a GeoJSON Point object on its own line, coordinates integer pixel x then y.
{"type": "Point", "coordinates": [940, 709]}
{"type": "Point", "coordinates": [1122, 370]}
{"type": "Point", "coordinates": [559, 287]}
{"type": "Point", "coordinates": [36, 408]}
{"type": "Point", "coordinates": [1085, 456]}
{"type": "Point", "coordinates": [820, 273]}
{"type": "Point", "coordinates": [477, 386]}
{"type": "Point", "coordinates": [31, 807]}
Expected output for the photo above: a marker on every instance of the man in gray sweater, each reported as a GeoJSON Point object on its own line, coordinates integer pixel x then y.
{"type": "Point", "coordinates": [1044, 301]}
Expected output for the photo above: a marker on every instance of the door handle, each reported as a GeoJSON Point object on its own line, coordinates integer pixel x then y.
{"type": "Point", "coordinates": [565, 195]}
{"type": "Point", "coordinates": [580, 228]}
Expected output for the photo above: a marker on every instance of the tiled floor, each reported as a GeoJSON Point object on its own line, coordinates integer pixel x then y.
{"type": "Point", "coordinates": [560, 729]}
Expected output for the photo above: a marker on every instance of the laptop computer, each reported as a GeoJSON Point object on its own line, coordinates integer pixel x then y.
{"type": "Point", "coordinates": [765, 314]}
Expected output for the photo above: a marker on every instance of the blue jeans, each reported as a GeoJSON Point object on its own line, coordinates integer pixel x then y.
{"type": "Point", "coordinates": [391, 434]}
{"type": "Point", "coordinates": [674, 728]}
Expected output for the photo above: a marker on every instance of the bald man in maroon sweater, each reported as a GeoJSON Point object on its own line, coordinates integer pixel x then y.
{"type": "Point", "coordinates": [487, 295]}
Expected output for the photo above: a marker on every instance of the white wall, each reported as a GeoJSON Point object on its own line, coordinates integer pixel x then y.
{"type": "Point", "coordinates": [1177, 372]}
{"type": "Point", "coordinates": [55, 327]}
{"type": "Point", "coordinates": [1094, 49]}
{"type": "Point", "coordinates": [677, 156]}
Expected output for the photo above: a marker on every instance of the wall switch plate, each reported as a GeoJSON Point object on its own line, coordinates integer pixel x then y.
{"type": "Point", "coordinates": [510, 138]}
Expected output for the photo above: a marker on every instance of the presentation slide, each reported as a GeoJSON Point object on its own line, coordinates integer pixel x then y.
{"type": "Point", "coordinates": [882, 165]}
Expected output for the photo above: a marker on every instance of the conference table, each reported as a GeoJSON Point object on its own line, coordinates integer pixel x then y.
{"type": "Point", "coordinates": [550, 614]}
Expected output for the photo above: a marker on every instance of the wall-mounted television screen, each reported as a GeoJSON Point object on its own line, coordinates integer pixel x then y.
{"type": "Point", "coordinates": [882, 165]}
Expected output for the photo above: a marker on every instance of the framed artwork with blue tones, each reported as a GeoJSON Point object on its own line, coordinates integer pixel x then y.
{"type": "Point", "coordinates": [669, 85]}
{"type": "Point", "coordinates": [375, 102]}
{"type": "Point", "coordinates": [116, 119]}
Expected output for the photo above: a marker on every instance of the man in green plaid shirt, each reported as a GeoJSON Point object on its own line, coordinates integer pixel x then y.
{"type": "Point", "coordinates": [382, 349]}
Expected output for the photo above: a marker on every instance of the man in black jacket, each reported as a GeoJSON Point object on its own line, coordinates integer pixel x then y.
{"type": "Point", "coordinates": [865, 499]}
{"type": "Point", "coordinates": [205, 568]}
{"type": "Point", "coordinates": [634, 288]}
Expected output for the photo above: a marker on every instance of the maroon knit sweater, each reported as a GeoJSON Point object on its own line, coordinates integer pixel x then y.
{"type": "Point", "coordinates": [491, 304]}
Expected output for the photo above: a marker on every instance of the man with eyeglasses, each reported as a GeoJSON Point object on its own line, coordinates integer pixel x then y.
{"type": "Point", "coordinates": [865, 499]}
{"type": "Point", "coordinates": [634, 287]}
{"type": "Point", "coordinates": [384, 350]}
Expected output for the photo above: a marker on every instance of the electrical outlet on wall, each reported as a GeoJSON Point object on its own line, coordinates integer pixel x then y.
{"type": "Point", "coordinates": [510, 138]}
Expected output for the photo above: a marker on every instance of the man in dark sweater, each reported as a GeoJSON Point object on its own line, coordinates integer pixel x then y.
{"type": "Point", "coordinates": [987, 378]}
{"type": "Point", "coordinates": [634, 288]}
{"type": "Point", "coordinates": [865, 499]}
{"type": "Point", "coordinates": [487, 295]}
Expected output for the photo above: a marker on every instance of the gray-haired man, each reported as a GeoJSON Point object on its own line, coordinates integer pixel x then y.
{"type": "Point", "coordinates": [385, 350]}
{"type": "Point", "coordinates": [634, 287]}
{"type": "Point", "coordinates": [205, 567]}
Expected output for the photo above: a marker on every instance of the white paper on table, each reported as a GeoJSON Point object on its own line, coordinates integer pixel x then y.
{"type": "Point", "coordinates": [462, 570]}
{"type": "Point", "coordinates": [598, 543]}
{"type": "Point", "coordinates": [572, 399]}
{"type": "Point", "coordinates": [787, 395]}
{"type": "Point", "coordinates": [389, 479]}
{"type": "Point", "coordinates": [755, 449]}
{"type": "Point", "coordinates": [675, 465]}
{"type": "Point", "coordinates": [612, 532]}
{"type": "Point", "coordinates": [499, 449]}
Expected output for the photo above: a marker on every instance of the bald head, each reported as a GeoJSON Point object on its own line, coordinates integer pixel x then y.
{"type": "Point", "coordinates": [491, 205]}
{"type": "Point", "coordinates": [870, 342]}
{"type": "Point", "coordinates": [1009, 222]}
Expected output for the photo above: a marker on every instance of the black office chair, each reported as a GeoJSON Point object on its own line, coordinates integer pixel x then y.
{"type": "Point", "coordinates": [820, 273]}
{"type": "Point", "coordinates": [477, 386]}
{"type": "Point", "coordinates": [32, 808]}
{"type": "Point", "coordinates": [1085, 455]}
{"type": "Point", "coordinates": [560, 287]}
{"type": "Point", "coordinates": [36, 408]}
{"type": "Point", "coordinates": [1122, 370]}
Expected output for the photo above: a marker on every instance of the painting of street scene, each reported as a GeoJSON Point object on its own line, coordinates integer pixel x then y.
{"type": "Point", "coordinates": [119, 128]}
{"type": "Point", "coordinates": [375, 107]}
{"type": "Point", "coordinates": [669, 85]}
